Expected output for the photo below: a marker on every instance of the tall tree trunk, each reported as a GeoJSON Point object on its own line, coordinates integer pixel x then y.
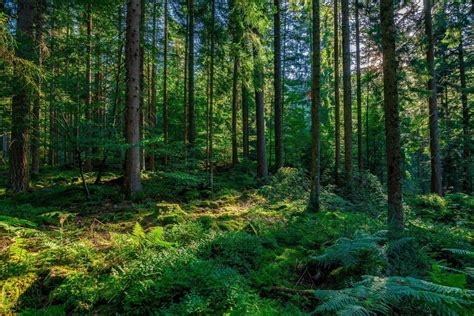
{"type": "Point", "coordinates": [191, 109]}
{"type": "Point", "coordinates": [185, 85]}
{"type": "Point", "coordinates": [315, 109]}
{"type": "Point", "coordinates": [152, 105]}
{"type": "Point", "coordinates": [88, 99]}
{"type": "Point", "coordinates": [436, 175]}
{"type": "Point", "coordinates": [142, 83]}
{"type": "Point", "coordinates": [211, 99]}
{"type": "Point", "coordinates": [165, 84]}
{"type": "Point", "coordinates": [277, 85]}
{"type": "Point", "coordinates": [245, 120]}
{"type": "Point", "coordinates": [262, 168]}
{"type": "Point", "coordinates": [359, 91]}
{"type": "Point", "coordinates": [21, 103]}
{"type": "Point", "coordinates": [132, 183]}
{"type": "Point", "coordinates": [392, 117]}
{"type": "Point", "coordinates": [235, 99]}
{"type": "Point", "coordinates": [336, 95]}
{"type": "Point", "coordinates": [465, 122]}
{"type": "Point", "coordinates": [36, 134]}
{"type": "Point", "coordinates": [346, 81]}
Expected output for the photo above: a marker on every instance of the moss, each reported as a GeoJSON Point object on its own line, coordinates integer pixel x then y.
{"type": "Point", "coordinates": [12, 290]}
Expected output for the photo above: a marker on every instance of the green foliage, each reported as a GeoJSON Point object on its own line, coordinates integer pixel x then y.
{"type": "Point", "coordinates": [363, 254]}
{"type": "Point", "coordinates": [287, 184]}
{"type": "Point", "coordinates": [374, 295]}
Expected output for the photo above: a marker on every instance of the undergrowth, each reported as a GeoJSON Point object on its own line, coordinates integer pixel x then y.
{"type": "Point", "coordinates": [181, 249]}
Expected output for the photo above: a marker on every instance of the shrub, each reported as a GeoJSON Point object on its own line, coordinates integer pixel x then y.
{"type": "Point", "coordinates": [395, 295]}
{"type": "Point", "coordinates": [287, 184]}
{"type": "Point", "coordinates": [238, 250]}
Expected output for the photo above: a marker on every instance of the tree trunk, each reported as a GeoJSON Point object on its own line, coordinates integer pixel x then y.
{"type": "Point", "coordinates": [346, 81]}
{"type": "Point", "coordinates": [36, 134]}
{"type": "Point", "coordinates": [235, 86]}
{"type": "Point", "coordinates": [88, 99]}
{"type": "Point", "coordinates": [262, 168]}
{"type": "Point", "coordinates": [191, 110]}
{"type": "Point", "coordinates": [315, 109]}
{"type": "Point", "coordinates": [142, 83]}
{"type": "Point", "coordinates": [211, 100]}
{"type": "Point", "coordinates": [165, 84]}
{"type": "Point", "coordinates": [152, 105]}
{"type": "Point", "coordinates": [245, 120]}
{"type": "Point", "coordinates": [392, 117]}
{"type": "Point", "coordinates": [277, 85]}
{"type": "Point", "coordinates": [21, 103]}
{"type": "Point", "coordinates": [466, 154]}
{"type": "Point", "coordinates": [132, 183]}
{"type": "Point", "coordinates": [336, 95]}
{"type": "Point", "coordinates": [436, 175]}
{"type": "Point", "coordinates": [359, 91]}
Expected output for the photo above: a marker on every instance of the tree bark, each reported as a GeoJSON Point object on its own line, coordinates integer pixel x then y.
{"type": "Point", "coordinates": [36, 133]}
{"type": "Point", "coordinates": [436, 175]}
{"type": "Point", "coordinates": [152, 105]}
{"type": "Point", "coordinates": [235, 99]}
{"type": "Point", "coordinates": [392, 117]}
{"type": "Point", "coordinates": [277, 85]}
{"type": "Point", "coordinates": [21, 103]}
{"type": "Point", "coordinates": [132, 183]}
{"type": "Point", "coordinates": [315, 109]}
{"type": "Point", "coordinates": [191, 109]}
{"type": "Point", "coordinates": [262, 168]}
{"type": "Point", "coordinates": [165, 84]}
{"type": "Point", "coordinates": [346, 81]}
{"type": "Point", "coordinates": [142, 83]}
{"type": "Point", "coordinates": [360, 159]}
{"type": "Point", "coordinates": [336, 95]}
{"type": "Point", "coordinates": [211, 99]}
{"type": "Point", "coordinates": [88, 98]}
{"type": "Point", "coordinates": [465, 122]}
{"type": "Point", "coordinates": [245, 120]}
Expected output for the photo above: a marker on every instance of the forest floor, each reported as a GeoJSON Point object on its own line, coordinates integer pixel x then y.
{"type": "Point", "coordinates": [180, 249]}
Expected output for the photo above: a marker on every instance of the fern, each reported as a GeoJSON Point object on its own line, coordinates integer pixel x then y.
{"type": "Point", "coordinates": [460, 252]}
{"type": "Point", "coordinates": [350, 253]}
{"type": "Point", "coordinates": [154, 237]}
{"type": "Point", "coordinates": [381, 295]}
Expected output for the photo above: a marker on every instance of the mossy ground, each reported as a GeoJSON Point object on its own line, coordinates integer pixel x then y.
{"type": "Point", "coordinates": [181, 249]}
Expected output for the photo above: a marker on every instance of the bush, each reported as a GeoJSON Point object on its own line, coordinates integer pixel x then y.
{"type": "Point", "coordinates": [287, 184]}
{"type": "Point", "coordinates": [238, 250]}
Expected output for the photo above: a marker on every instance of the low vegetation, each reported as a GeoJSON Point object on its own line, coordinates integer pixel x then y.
{"type": "Point", "coordinates": [239, 250]}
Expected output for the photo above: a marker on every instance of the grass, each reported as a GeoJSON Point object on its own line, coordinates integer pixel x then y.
{"type": "Point", "coordinates": [181, 249]}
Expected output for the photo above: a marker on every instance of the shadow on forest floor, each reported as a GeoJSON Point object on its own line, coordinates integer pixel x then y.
{"type": "Point", "coordinates": [182, 249]}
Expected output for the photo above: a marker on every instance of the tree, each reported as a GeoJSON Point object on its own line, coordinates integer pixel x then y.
{"type": "Point", "coordinates": [315, 108]}
{"type": "Point", "coordinates": [277, 85]}
{"type": "Point", "coordinates": [88, 96]}
{"type": "Point", "coordinates": [359, 90]}
{"type": "Point", "coordinates": [165, 82]}
{"type": "Point", "coordinates": [132, 183]}
{"type": "Point", "coordinates": [465, 119]}
{"type": "Point", "coordinates": [236, 30]}
{"type": "Point", "coordinates": [392, 116]}
{"type": "Point", "coordinates": [336, 95]}
{"type": "Point", "coordinates": [436, 174]}
{"type": "Point", "coordinates": [21, 103]}
{"type": "Point", "coordinates": [262, 168]}
{"type": "Point", "coordinates": [211, 97]}
{"type": "Point", "coordinates": [245, 120]}
{"type": "Point", "coordinates": [35, 140]}
{"type": "Point", "coordinates": [346, 81]}
{"type": "Point", "coordinates": [191, 110]}
{"type": "Point", "coordinates": [152, 101]}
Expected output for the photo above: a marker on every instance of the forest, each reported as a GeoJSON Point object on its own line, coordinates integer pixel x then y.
{"type": "Point", "coordinates": [236, 157]}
